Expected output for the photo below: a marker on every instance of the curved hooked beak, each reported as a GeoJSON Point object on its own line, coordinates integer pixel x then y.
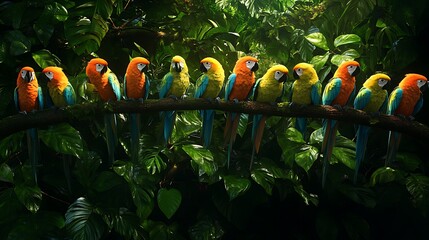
{"type": "Point", "coordinates": [255, 67]}
{"type": "Point", "coordinates": [356, 72]}
{"type": "Point", "coordinates": [283, 78]}
{"type": "Point", "coordinates": [177, 67]}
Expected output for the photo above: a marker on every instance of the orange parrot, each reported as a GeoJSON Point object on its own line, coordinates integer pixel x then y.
{"type": "Point", "coordinates": [28, 97]}
{"type": "Point", "coordinates": [238, 88]}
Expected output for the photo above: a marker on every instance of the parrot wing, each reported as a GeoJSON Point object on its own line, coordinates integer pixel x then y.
{"type": "Point", "coordinates": [40, 98]}
{"type": "Point", "coordinates": [125, 87]}
{"type": "Point", "coordinates": [256, 89]}
{"type": "Point", "coordinates": [352, 96]}
{"type": "Point", "coordinates": [279, 98]}
{"type": "Point", "coordinates": [69, 95]}
{"type": "Point", "coordinates": [316, 91]}
{"type": "Point", "coordinates": [167, 81]}
{"type": "Point", "coordinates": [114, 83]}
{"type": "Point", "coordinates": [202, 83]}
{"type": "Point", "coordinates": [384, 106]}
{"type": "Point", "coordinates": [147, 88]}
{"type": "Point", "coordinates": [418, 105]}
{"type": "Point", "coordinates": [394, 101]}
{"type": "Point", "coordinates": [331, 91]}
{"type": "Point", "coordinates": [229, 85]}
{"type": "Point", "coordinates": [362, 99]}
{"type": "Point", "coordinates": [16, 99]}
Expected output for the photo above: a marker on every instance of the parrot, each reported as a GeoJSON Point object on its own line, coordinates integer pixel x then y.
{"type": "Point", "coordinates": [371, 98]}
{"type": "Point", "coordinates": [268, 89]}
{"type": "Point", "coordinates": [136, 86]}
{"type": "Point", "coordinates": [28, 97]}
{"type": "Point", "coordinates": [61, 94]}
{"type": "Point", "coordinates": [338, 92]}
{"type": "Point", "coordinates": [238, 88]}
{"type": "Point", "coordinates": [306, 89]}
{"type": "Point", "coordinates": [108, 88]}
{"type": "Point", "coordinates": [209, 86]}
{"type": "Point", "coordinates": [174, 84]}
{"type": "Point", "coordinates": [406, 100]}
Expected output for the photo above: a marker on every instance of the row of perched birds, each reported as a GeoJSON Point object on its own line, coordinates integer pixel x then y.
{"type": "Point", "coordinates": [405, 100]}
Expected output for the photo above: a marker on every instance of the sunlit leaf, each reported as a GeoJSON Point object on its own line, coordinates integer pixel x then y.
{"type": "Point", "coordinates": [29, 196]}
{"type": "Point", "coordinates": [242, 124]}
{"type": "Point", "coordinates": [338, 59]}
{"type": "Point", "coordinates": [11, 144]}
{"type": "Point", "coordinates": [346, 39]}
{"type": "Point", "coordinates": [352, 53]}
{"type": "Point", "coordinates": [384, 175]}
{"type": "Point", "coordinates": [169, 201]}
{"type": "Point", "coordinates": [235, 185]}
{"type": "Point", "coordinates": [307, 157]}
{"type": "Point", "coordinates": [104, 8]}
{"type": "Point", "coordinates": [318, 40]}
{"type": "Point", "coordinates": [45, 58]}
{"type": "Point", "coordinates": [201, 156]}
{"type": "Point", "coordinates": [319, 60]}
{"type": "Point", "coordinates": [63, 138]}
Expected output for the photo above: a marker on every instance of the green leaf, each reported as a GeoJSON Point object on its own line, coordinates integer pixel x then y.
{"type": "Point", "coordinates": [169, 201]}
{"type": "Point", "coordinates": [418, 187]}
{"type": "Point", "coordinates": [318, 40]}
{"type": "Point", "coordinates": [82, 222]}
{"type": "Point", "coordinates": [44, 58]}
{"type": "Point", "coordinates": [263, 177]}
{"type": "Point", "coordinates": [18, 48]}
{"type": "Point", "coordinates": [127, 224]}
{"type": "Point", "coordinates": [143, 198]}
{"type": "Point", "coordinates": [206, 229]}
{"type": "Point", "coordinates": [384, 175]}
{"type": "Point", "coordinates": [58, 11]}
{"type": "Point", "coordinates": [11, 144]}
{"type": "Point", "coordinates": [346, 39]}
{"type": "Point", "coordinates": [307, 197]}
{"type": "Point", "coordinates": [307, 157]}
{"type": "Point", "coordinates": [153, 162]}
{"type": "Point", "coordinates": [338, 59]}
{"type": "Point", "coordinates": [104, 8]}
{"type": "Point", "coordinates": [352, 53]}
{"type": "Point", "coordinates": [63, 138]}
{"type": "Point", "coordinates": [202, 157]}
{"type": "Point", "coordinates": [186, 123]}
{"type": "Point", "coordinates": [319, 60]}
{"type": "Point", "coordinates": [242, 124]}
{"type": "Point", "coordinates": [235, 185]}
{"type": "Point", "coordinates": [345, 155]}
{"type": "Point", "coordinates": [29, 196]}
{"type": "Point", "coordinates": [6, 173]}
{"type": "Point", "coordinates": [293, 135]}
{"type": "Point", "coordinates": [43, 31]}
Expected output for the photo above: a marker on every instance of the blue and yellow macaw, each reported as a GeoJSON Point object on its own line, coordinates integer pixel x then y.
{"type": "Point", "coordinates": [108, 88]}
{"type": "Point", "coordinates": [238, 88]}
{"type": "Point", "coordinates": [268, 89]}
{"type": "Point", "coordinates": [136, 87]}
{"type": "Point", "coordinates": [61, 92]}
{"type": "Point", "coordinates": [306, 90]}
{"type": "Point", "coordinates": [28, 97]}
{"type": "Point", "coordinates": [371, 98]}
{"type": "Point", "coordinates": [338, 92]}
{"type": "Point", "coordinates": [406, 100]}
{"type": "Point", "coordinates": [209, 86]}
{"type": "Point", "coordinates": [174, 84]}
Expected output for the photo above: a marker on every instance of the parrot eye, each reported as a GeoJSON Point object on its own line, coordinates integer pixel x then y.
{"type": "Point", "coordinates": [182, 64]}
{"type": "Point", "coordinates": [23, 73]}
{"type": "Point", "coordinates": [99, 67]}
{"type": "Point", "coordinates": [250, 64]}
{"type": "Point", "coordinates": [421, 83]}
{"type": "Point", "coordinates": [278, 75]}
{"type": "Point", "coordinates": [351, 69]}
{"type": "Point", "coordinates": [299, 71]}
{"type": "Point", "coordinates": [49, 75]}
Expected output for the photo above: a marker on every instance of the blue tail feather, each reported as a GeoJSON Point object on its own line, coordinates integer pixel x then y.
{"type": "Point", "coordinates": [330, 131]}
{"type": "Point", "coordinates": [208, 117]}
{"type": "Point", "coordinates": [301, 125]}
{"type": "Point", "coordinates": [361, 142]}
{"type": "Point", "coordinates": [33, 150]}
{"type": "Point", "coordinates": [392, 147]}
{"type": "Point", "coordinates": [135, 135]}
{"type": "Point", "coordinates": [169, 118]}
{"type": "Point", "coordinates": [111, 135]}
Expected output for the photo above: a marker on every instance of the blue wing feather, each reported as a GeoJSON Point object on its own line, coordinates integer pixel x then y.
{"type": "Point", "coordinates": [229, 85]}
{"type": "Point", "coordinates": [418, 105]}
{"type": "Point", "coordinates": [315, 93]}
{"type": "Point", "coordinates": [202, 83]}
{"type": "Point", "coordinates": [147, 88]}
{"type": "Point", "coordinates": [331, 91]}
{"type": "Point", "coordinates": [255, 90]}
{"type": "Point", "coordinates": [394, 101]}
{"type": "Point", "coordinates": [362, 99]}
{"type": "Point", "coordinates": [125, 87]}
{"type": "Point", "coordinates": [16, 99]}
{"type": "Point", "coordinates": [40, 98]}
{"type": "Point", "coordinates": [69, 95]}
{"type": "Point", "coordinates": [167, 82]}
{"type": "Point", "coordinates": [113, 82]}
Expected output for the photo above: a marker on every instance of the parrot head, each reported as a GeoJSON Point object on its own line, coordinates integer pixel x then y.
{"type": "Point", "coordinates": [27, 74]}
{"type": "Point", "coordinates": [304, 69]}
{"type": "Point", "coordinates": [348, 69]}
{"type": "Point", "coordinates": [278, 72]}
{"type": "Point", "coordinates": [209, 63]}
{"type": "Point", "coordinates": [139, 63]}
{"type": "Point", "coordinates": [178, 64]}
{"type": "Point", "coordinates": [379, 79]}
{"type": "Point", "coordinates": [54, 74]}
{"type": "Point", "coordinates": [415, 81]}
{"type": "Point", "coordinates": [248, 62]}
{"type": "Point", "coordinates": [96, 65]}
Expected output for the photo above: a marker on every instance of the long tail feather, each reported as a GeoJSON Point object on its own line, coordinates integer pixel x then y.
{"type": "Point", "coordinates": [257, 133]}
{"type": "Point", "coordinates": [135, 135]}
{"type": "Point", "coordinates": [361, 142]}
{"type": "Point", "coordinates": [33, 150]}
{"type": "Point", "coordinates": [230, 132]}
{"type": "Point", "coordinates": [392, 147]}
{"type": "Point", "coordinates": [301, 125]}
{"type": "Point", "coordinates": [208, 117]}
{"type": "Point", "coordinates": [169, 119]}
{"type": "Point", "coordinates": [111, 135]}
{"type": "Point", "coordinates": [330, 130]}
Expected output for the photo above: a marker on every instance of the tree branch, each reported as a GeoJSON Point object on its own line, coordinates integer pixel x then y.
{"type": "Point", "coordinates": [84, 111]}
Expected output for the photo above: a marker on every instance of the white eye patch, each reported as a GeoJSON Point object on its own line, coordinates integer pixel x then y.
{"type": "Point", "coordinates": [99, 67]}
{"type": "Point", "coordinates": [299, 71]}
{"type": "Point", "coordinates": [421, 83]}
{"type": "Point", "coordinates": [141, 66]}
{"type": "Point", "coordinates": [207, 65]}
{"type": "Point", "coordinates": [382, 82]}
{"type": "Point", "coordinates": [49, 75]}
{"type": "Point", "coordinates": [250, 64]}
{"type": "Point", "coordinates": [278, 75]}
{"type": "Point", "coordinates": [351, 69]}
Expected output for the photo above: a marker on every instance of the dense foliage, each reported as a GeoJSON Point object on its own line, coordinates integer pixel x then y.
{"type": "Point", "coordinates": [183, 191]}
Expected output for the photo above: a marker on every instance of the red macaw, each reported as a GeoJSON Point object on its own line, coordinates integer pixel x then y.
{"type": "Point", "coordinates": [406, 100]}
{"type": "Point", "coordinates": [108, 88]}
{"type": "Point", "coordinates": [28, 97]}
{"type": "Point", "coordinates": [136, 86]}
{"type": "Point", "coordinates": [238, 88]}
{"type": "Point", "coordinates": [338, 92]}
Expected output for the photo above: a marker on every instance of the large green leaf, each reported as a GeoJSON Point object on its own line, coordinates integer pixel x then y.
{"type": "Point", "coordinates": [6, 173]}
{"type": "Point", "coordinates": [338, 59]}
{"type": "Point", "coordinates": [306, 157]}
{"type": "Point", "coordinates": [235, 185]}
{"type": "Point", "coordinates": [63, 138]}
{"type": "Point", "coordinates": [346, 39]}
{"type": "Point", "coordinates": [19, 43]}
{"type": "Point", "coordinates": [264, 177]}
{"type": "Point", "coordinates": [143, 198]}
{"type": "Point", "coordinates": [418, 186]}
{"type": "Point", "coordinates": [318, 40]}
{"type": "Point", "coordinates": [242, 124]}
{"type": "Point", "coordinates": [384, 175]}
{"type": "Point", "coordinates": [29, 196]}
{"type": "Point", "coordinates": [83, 222]}
{"type": "Point", "coordinates": [169, 201]}
{"type": "Point", "coordinates": [11, 144]}
{"type": "Point", "coordinates": [202, 157]}
{"type": "Point", "coordinates": [319, 60]}
{"type": "Point", "coordinates": [127, 224]}
{"type": "Point", "coordinates": [104, 8]}
{"type": "Point", "coordinates": [153, 162]}
{"type": "Point", "coordinates": [45, 58]}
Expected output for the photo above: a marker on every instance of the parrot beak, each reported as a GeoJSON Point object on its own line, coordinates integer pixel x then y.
{"type": "Point", "coordinates": [283, 78]}
{"type": "Point", "coordinates": [27, 77]}
{"type": "Point", "coordinates": [104, 70]}
{"type": "Point", "coordinates": [295, 75]}
{"type": "Point", "coordinates": [386, 86]}
{"type": "Point", "coordinates": [424, 87]}
{"type": "Point", "coordinates": [177, 67]}
{"type": "Point", "coordinates": [255, 68]}
{"type": "Point", "coordinates": [356, 72]}
{"type": "Point", "coordinates": [203, 68]}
